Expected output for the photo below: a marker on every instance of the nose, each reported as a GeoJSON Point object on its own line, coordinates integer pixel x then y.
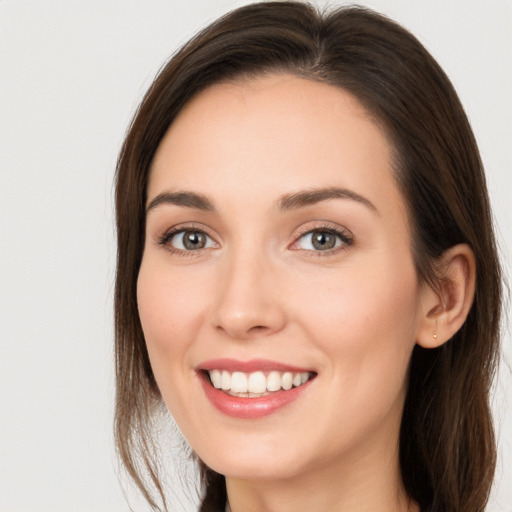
{"type": "Point", "coordinates": [248, 303]}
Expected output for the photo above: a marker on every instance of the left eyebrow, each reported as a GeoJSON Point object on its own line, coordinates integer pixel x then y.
{"type": "Point", "coordinates": [313, 196]}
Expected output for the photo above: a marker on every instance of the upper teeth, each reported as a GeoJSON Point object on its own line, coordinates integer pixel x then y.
{"type": "Point", "coordinates": [256, 382]}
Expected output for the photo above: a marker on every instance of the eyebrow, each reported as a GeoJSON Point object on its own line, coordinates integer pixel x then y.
{"type": "Point", "coordinates": [187, 199]}
{"type": "Point", "coordinates": [313, 196]}
{"type": "Point", "coordinates": [287, 202]}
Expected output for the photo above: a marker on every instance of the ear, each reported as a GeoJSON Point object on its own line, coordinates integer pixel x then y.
{"type": "Point", "coordinates": [445, 309]}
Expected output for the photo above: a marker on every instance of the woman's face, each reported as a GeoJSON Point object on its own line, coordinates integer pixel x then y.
{"type": "Point", "coordinates": [278, 256]}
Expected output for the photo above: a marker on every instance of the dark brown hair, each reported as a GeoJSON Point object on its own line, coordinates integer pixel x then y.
{"type": "Point", "coordinates": [447, 445]}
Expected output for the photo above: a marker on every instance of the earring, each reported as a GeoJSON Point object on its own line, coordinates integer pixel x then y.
{"type": "Point", "coordinates": [435, 331]}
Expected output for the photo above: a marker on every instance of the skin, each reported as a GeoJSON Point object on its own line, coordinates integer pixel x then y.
{"type": "Point", "coordinates": [260, 290]}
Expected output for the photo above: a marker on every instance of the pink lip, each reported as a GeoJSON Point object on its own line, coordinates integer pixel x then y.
{"type": "Point", "coordinates": [254, 365]}
{"type": "Point", "coordinates": [248, 408]}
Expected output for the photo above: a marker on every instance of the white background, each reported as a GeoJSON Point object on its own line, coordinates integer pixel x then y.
{"type": "Point", "coordinates": [71, 75]}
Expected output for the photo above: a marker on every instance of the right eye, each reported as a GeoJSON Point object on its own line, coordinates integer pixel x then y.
{"type": "Point", "coordinates": [188, 240]}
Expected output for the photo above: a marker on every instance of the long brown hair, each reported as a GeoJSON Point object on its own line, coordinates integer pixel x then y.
{"type": "Point", "coordinates": [447, 445]}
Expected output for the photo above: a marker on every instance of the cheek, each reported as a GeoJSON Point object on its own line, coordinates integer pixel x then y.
{"type": "Point", "coordinates": [365, 320]}
{"type": "Point", "coordinates": [170, 310]}
{"type": "Point", "coordinates": [168, 304]}
{"type": "Point", "coordinates": [170, 313]}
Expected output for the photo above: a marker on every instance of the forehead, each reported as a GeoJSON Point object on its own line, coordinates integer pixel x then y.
{"type": "Point", "coordinates": [274, 133]}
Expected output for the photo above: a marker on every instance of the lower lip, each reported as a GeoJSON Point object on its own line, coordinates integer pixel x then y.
{"type": "Point", "coordinates": [250, 408]}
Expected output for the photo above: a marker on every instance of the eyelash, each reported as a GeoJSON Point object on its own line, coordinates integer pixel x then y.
{"type": "Point", "coordinates": [343, 234]}
{"type": "Point", "coordinates": [165, 239]}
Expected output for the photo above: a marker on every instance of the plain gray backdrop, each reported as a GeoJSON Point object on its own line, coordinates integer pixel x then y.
{"type": "Point", "coordinates": [71, 74]}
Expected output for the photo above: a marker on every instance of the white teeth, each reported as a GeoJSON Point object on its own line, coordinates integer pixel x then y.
{"type": "Point", "coordinates": [216, 378]}
{"type": "Point", "coordinates": [238, 382]}
{"type": "Point", "coordinates": [274, 381]}
{"type": "Point", "coordinates": [287, 381]}
{"type": "Point", "coordinates": [225, 382]}
{"type": "Point", "coordinates": [256, 383]}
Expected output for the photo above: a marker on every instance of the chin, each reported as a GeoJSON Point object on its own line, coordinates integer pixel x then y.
{"type": "Point", "coordinates": [253, 470]}
{"type": "Point", "coordinates": [254, 463]}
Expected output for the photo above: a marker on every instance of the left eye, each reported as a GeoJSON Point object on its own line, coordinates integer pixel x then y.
{"type": "Point", "coordinates": [191, 240]}
{"type": "Point", "coordinates": [321, 240]}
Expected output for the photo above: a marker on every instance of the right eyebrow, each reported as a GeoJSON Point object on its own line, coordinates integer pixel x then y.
{"type": "Point", "coordinates": [186, 199]}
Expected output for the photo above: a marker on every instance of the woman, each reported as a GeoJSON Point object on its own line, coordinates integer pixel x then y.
{"type": "Point", "coordinates": [307, 273]}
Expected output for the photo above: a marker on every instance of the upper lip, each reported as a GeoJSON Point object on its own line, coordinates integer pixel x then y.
{"type": "Point", "coordinates": [254, 365]}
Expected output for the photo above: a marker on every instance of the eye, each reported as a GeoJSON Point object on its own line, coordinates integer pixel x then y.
{"type": "Point", "coordinates": [322, 240]}
{"type": "Point", "coordinates": [187, 240]}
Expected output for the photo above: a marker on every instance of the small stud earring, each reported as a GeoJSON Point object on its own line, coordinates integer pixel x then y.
{"type": "Point", "coordinates": [435, 335]}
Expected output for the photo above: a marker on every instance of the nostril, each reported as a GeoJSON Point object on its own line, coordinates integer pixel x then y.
{"type": "Point", "coordinates": [258, 329]}
{"type": "Point", "coordinates": [254, 328]}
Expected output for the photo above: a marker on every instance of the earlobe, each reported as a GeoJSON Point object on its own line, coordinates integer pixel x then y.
{"type": "Point", "coordinates": [446, 308]}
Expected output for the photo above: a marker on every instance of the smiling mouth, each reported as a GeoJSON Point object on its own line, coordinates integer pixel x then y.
{"type": "Point", "coordinates": [256, 384]}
